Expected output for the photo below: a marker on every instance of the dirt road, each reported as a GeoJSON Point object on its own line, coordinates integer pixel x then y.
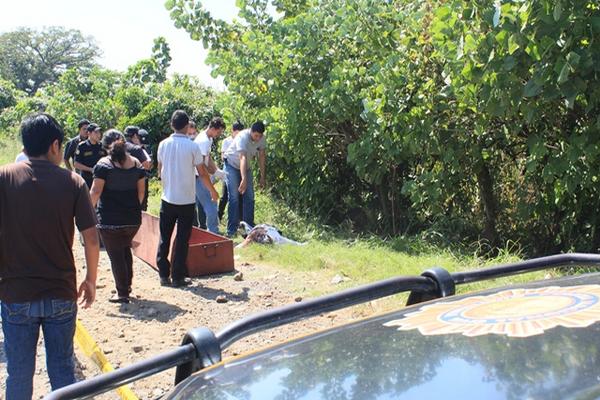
{"type": "Point", "coordinates": [158, 317]}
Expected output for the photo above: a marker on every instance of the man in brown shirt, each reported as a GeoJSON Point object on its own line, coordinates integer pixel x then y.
{"type": "Point", "coordinates": [39, 203]}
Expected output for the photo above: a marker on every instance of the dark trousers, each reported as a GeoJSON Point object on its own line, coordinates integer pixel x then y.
{"type": "Point", "coordinates": [117, 243]}
{"type": "Point", "coordinates": [169, 215]}
{"type": "Point", "coordinates": [223, 202]}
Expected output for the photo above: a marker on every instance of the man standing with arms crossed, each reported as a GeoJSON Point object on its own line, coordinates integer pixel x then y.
{"type": "Point", "coordinates": [39, 203]}
{"type": "Point", "coordinates": [178, 157]}
{"type": "Point", "coordinates": [246, 145]}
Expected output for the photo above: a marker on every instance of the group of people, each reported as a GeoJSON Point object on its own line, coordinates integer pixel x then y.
{"type": "Point", "coordinates": [188, 172]}
{"type": "Point", "coordinates": [41, 203]}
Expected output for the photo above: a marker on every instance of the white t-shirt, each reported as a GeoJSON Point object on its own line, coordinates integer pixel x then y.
{"type": "Point", "coordinates": [179, 157]}
{"type": "Point", "coordinates": [205, 144]}
{"type": "Point", "coordinates": [243, 143]}
{"type": "Point", "coordinates": [226, 143]}
{"type": "Point", "coordinates": [21, 157]}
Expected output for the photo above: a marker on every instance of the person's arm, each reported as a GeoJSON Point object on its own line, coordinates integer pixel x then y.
{"type": "Point", "coordinates": [96, 190]}
{"type": "Point", "coordinates": [87, 289]}
{"type": "Point", "coordinates": [67, 156]}
{"type": "Point", "coordinates": [243, 172]}
{"type": "Point", "coordinates": [262, 164]}
{"type": "Point", "coordinates": [211, 167]}
{"type": "Point", "coordinates": [82, 167]}
{"type": "Point", "coordinates": [158, 169]}
{"type": "Point", "coordinates": [145, 159]}
{"type": "Point", "coordinates": [141, 189]}
{"type": "Point", "coordinates": [205, 177]}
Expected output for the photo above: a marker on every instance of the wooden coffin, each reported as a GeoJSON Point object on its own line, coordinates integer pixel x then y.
{"type": "Point", "coordinates": [208, 253]}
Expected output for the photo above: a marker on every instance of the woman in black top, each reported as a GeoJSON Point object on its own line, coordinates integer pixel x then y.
{"type": "Point", "coordinates": [118, 192]}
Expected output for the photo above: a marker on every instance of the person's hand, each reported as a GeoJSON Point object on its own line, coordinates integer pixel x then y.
{"type": "Point", "coordinates": [87, 293]}
{"type": "Point", "coordinates": [220, 174]}
{"type": "Point", "coordinates": [242, 187]}
{"type": "Point", "coordinates": [214, 195]}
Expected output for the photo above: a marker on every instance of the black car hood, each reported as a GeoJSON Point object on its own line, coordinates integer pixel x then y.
{"type": "Point", "coordinates": [488, 345]}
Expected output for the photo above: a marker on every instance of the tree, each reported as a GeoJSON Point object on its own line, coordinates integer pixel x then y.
{"type": "Point", "coordinates": [31, 59]}
{"type": "Point", "coordinates": [476, 119]}
{"type": "Point", "coordinates": [153, 69]}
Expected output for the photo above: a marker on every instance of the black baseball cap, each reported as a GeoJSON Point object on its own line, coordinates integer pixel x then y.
{"type": "Point", "coordinates": [92, 127]}
{"type": "Point", "coordinates": [132, 130]}
{"type": "Point", "coordinates": [144, 136]}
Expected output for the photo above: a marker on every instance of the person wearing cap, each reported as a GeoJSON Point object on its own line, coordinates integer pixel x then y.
{"type": "Point", "coordinates": [144, 141]}
{"type": "Point", "coordinates": [134, 147]}
{"type": "Point", "coordinates": [88, 153]}
{"type": "Point", "coordinates": [72, 144]}
{"type": "Point", "coordinates": [118, 193]}
{"type": "Point", "coordinates": [204, 140]}
{"type": "Point", "coordinates": [133, 144]}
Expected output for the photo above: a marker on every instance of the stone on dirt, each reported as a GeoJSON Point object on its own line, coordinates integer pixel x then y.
{"type": "Point", "coordinates": [221, 299]}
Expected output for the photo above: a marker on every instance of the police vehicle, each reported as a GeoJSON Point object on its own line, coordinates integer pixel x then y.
{"type": "Point", "coordinates": [539, 340]}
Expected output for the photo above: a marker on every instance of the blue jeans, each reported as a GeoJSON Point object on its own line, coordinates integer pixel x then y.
{"type": "Point", "coordinates": [234, 177]}
{"type": "Point", "coordinates": [21, 326]}
{"type": "Point", "coordinates": [209, 206]}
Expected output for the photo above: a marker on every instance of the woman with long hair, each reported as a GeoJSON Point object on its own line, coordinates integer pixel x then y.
{"type": "Point", "coordinates": [118, 192]}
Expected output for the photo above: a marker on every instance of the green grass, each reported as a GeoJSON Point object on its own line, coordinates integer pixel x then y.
{"type": "Point", "coordinates": [359, 259]}
{"type": "Point", "coordinates": [9, 148]}
{"type": "Point", "coordinates": [330, 252]}
{"type": "Point", "coordinates": [154, 192]}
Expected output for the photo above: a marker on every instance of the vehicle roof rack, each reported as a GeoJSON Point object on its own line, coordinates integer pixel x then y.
{"type": "Point", "coordinates": [202, 348]}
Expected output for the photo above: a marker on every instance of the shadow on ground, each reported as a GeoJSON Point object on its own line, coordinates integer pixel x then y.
{"type": "Point", "coordinates": [212, 294]}
{"type": "Point", "coordinates": [148, 310]}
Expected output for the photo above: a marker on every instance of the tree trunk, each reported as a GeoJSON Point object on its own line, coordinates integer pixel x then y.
{"type": "Point", "coordinates": [488, 200]}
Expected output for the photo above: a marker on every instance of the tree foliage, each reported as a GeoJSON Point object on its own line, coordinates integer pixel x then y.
{"type": "Point", "coordinates": [478, 117]}
{"type": "Point", "coordinates": [31, 59]}
{"type": "Point", "coordinates": [113, 99]}
{"type": "Point", "coordinates": [153, 69]}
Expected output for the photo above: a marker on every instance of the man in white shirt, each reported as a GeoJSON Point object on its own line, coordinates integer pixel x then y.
{"type": "Point", "coordinates": [247, 145]}
{"type": "Point", "coordinates": [204, 140]}
{"type": "Point", "coordinates": [178, 158]}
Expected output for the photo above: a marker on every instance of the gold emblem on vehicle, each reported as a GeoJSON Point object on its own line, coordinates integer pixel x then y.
{"type": "Point", "coordinates": [515, 313]}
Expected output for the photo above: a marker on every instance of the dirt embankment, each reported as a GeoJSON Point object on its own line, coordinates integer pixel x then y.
{"type": "Point", "coordinates": [158, 317]}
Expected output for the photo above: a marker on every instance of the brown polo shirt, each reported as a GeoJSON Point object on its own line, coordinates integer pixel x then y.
{"type": "Point", "coordinates": [39, 203]}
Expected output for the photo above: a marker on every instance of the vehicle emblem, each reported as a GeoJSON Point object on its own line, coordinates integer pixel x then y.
{"type": "Point", "coordinates": [514, 313]}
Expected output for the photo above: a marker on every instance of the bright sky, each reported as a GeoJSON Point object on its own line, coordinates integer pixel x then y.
{"type": "Point", "coordinates": [124, 29]}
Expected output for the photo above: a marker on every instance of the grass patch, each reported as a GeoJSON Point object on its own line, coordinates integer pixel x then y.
{"type": "Point", "coordinates": [332, 251]}
{"type": "Point", "coordinates": [9, 148]}
{"type": "Point", "coordinates": [154, 193]}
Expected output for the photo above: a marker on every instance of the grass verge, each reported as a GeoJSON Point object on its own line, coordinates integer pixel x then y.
{"type": "Point", "coordinates": [9, 148]}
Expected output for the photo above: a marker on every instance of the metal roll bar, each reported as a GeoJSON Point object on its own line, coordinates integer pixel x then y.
{"type": "Point", "coordinates": [201, 348]}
